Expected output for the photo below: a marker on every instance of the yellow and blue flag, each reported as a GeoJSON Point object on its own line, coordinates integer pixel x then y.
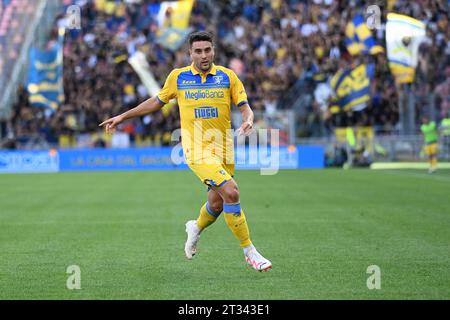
{"type": "Point", "coordinates": [359, 39]}
{"type": "Point", "coordinates": [172, 38]}
{"type": "Point", "coordinates": [351, 88]}
{"type": "Point", "coordinates": [173, 22]}
{"type": "Point", "coordinates": [403, 38]}
{"type": "Point", "coordinates": [45, 76]}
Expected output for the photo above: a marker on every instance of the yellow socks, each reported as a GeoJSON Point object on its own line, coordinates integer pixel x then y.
{"type": "Point", "coordinates": [235, 219]}
{"type": "Point", "coordinates": [433, 162]}
{"type": "Point", "coordinates": [206, 217]}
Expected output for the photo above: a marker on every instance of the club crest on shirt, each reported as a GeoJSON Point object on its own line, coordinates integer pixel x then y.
{"type": "Point", "coordinates": [217, 79]}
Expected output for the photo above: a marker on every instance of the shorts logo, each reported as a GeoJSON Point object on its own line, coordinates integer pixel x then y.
{"type": "Point", "coordinates": [217, 79]}
{"type": "Point", "coordinates": [206, 113]}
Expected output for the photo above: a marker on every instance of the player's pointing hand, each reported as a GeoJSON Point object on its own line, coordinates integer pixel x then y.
{"type": "Point", "coordinates": [111, 123]}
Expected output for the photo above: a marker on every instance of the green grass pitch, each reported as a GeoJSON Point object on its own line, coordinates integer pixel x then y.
{"type": "Point", "coordinates": [320, 228]}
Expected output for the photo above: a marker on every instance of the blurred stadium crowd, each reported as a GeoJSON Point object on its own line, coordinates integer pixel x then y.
{"type": "Point", "coordinates": [13, 17]}
{"type": "Point", "coordinates": [278, 49]}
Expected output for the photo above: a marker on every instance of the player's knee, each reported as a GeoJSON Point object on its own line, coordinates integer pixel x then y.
{"type": "Point", "coordinates": [216, 206]}
{"type": "Point", "coordinates": [232, 195]}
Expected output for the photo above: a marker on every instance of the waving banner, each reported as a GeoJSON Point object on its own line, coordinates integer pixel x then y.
{"type": "Point", "coordinates": [352, 88]}
{"type": "Point", "coordinates": [45, 76]}
{"type": "Point", "coordinates": [403, 37]}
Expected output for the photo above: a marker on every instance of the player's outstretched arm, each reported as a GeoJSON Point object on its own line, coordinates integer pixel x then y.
{"type": "Point", "coordinates": [148, 106]}
{"type": "Point", "coordinates": [247, 120]}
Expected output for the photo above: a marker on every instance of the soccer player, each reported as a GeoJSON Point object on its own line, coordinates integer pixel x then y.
{"type": "Point", "coordinates": [204, 92]}
{"type": "Point", "coordinates": [445, 129]}
{"type": "Point", "coordinates": [430, 134]}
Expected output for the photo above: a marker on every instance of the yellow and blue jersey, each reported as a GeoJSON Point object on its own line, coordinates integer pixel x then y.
{"type": "Point", "coordinates": [205, 110]}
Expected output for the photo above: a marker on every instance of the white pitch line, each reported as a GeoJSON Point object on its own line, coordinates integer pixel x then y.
{"type": "Point", "coordinates": [428, 176]}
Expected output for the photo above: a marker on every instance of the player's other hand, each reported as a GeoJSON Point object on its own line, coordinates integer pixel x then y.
{"type": "Point", "coordinates": [246, 128]}
{"type": "Point", "coordinates": [111, 123]}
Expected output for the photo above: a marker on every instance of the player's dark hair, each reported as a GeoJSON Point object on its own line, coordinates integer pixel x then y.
{"type": "Point", "coordinates": [200, 36]}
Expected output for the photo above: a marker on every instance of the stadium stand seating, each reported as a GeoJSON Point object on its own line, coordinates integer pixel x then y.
{"type": "Point", "coordinates": [282, 50]}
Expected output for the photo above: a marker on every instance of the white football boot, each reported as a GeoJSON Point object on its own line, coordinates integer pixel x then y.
{"type": "Point", "coordinates": [193, 235]}
{"type": "Point", "coordinates": [256, 260]}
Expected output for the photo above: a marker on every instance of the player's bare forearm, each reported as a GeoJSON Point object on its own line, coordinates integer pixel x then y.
{"type": "Point", "coordinates": [148, 106]}
{"type": "Point", "coordinates": [247, 120]}
{"type": "Point", "coordinates": [247, 113]}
